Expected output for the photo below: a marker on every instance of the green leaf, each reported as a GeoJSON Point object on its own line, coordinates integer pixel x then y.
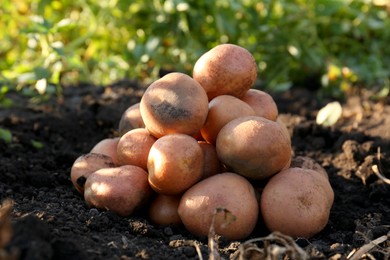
{"type": "Point", "coordinates": [5, 135]}
{"type": "Point", "coordinates": [37, 144]}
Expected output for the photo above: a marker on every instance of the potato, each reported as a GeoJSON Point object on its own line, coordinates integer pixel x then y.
{"type": "Point", "coordinates": [225, 190]}
{"type": "Point", "coordinates": [222, 110]}
{"type": "Point", "coordinates": [212, 165]}
{"type": "Point", "coordinates": [296, 203]}
{"type": "Point", "coordinates": [131, 119]}
{"type": "Point", "coordinates": [175, 103]}
{"type": "Point", "coordinates": [175, 163]}
{"type": "Point", "coordinates": [122, 189]}
{"type": "Point", "coordinates": [226, 69]}
{"type": "Point", "coordinates": [107, 146]}
{"type": "Point", "coordinates": [254, 147]}
{"type": "Point", "coordinates": [163, 210]}
{"type": "Point", "coordinates": [262, 103]}
{"type": "Point", "coordinates": [133, 147]}
{"type": "Point", "coordinates": [86, 164]}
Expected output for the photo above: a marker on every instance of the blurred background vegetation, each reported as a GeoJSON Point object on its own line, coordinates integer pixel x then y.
{"type": "Point", "coordinates": [334, 45]}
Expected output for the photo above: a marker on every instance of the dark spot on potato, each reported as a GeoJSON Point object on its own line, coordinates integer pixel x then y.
{"type": "Point", "coordinates": [168, 112]}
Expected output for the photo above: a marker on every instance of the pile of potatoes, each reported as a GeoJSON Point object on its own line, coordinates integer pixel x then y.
{"type": "Point", "coordinates": [196, 144]}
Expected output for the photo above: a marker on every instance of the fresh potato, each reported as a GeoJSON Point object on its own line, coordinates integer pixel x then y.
{"type": "Point", "coordinates": [222, 110]}
{"type": "Point", "coordinates": [163, 210]}
{"type": "Point", "coordinates": [86, 164]}
{"type": "Point", "coordinates": [122, 189]}
{"type": "Point", "coordinates": [296, 202]}
{"type": "Point", "coordinates": [175, 163]}
{"type": "Point", "coordinates": [107, 146]}
{"type": "Point", "coordinates": [254, 147]}
{"type": "Point", "coordinates": [131, 119]}
{"type": "Point", "coordinates": [175, 103]}
{"type": "Point", "coordinates": [262, 103]}
{"type": "Point", "coordinates": [226, 69]}
{"type": "Point", "coordinates": [212, 165]}
{"type": "Point", "coordinates": [133, 147]}
{"type": "Point", "coordinates": [225, 190]}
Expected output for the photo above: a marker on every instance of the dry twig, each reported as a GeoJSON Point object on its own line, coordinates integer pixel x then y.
{"type": "Point", "coordinates": [275, 246]}
{"type": "Point", "coordinates": [377, 169]}
{"type": "Point", "coordinates": [364, 250]}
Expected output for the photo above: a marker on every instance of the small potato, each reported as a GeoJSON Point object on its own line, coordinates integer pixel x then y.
{"type": "Point", "coordinates": [296, 203]}
{"type": "Point", "coordinates": [226, 69]}
{"type": "Point", "coordinates": [163, 210]}
{"type": "Point", "coordinates": [222, 110]}
{"type": "Point", "coordinates": [262, 103]}
{"type": "Point", "coordinates": [175, 163]}
{"type": "Point", "coordinates": [86, 164]}
{"type": "Point", "coordinates": [254, 147]}
{"type": "Point", "coordinates": [123, 189]}
{"type": "Point", "coordinates": [107, 147]}
{"type": "Point", "coordinates": [133, 147]}
{"type": "Point", "coordinates": [131, 119]}
{"type": "Point", "coordinates": [212, 164]}
{"type": "Point", "coordinates": [225, 190]}
{"type": "Point", "coordinates": [175, 103]}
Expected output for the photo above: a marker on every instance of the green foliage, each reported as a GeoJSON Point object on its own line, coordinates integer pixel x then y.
{"type": "Point", "coordinates": [5, 135]}
{"type": "Point", "coordinates": [336, 43]}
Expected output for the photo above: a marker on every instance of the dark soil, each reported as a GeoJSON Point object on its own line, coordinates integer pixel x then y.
{"type": "Point", "coordinates": [50, 220]}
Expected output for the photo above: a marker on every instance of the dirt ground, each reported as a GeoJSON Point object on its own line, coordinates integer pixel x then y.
{"type": "Point", "coordinates": [50, 220]}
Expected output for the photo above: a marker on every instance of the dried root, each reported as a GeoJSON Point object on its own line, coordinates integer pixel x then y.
{"type": "Point", "coordinates": [364, 251]}
{"type": "Point", "coordinates": [275, 246]}
{"type": "Point", "coordinates": [377, 169]}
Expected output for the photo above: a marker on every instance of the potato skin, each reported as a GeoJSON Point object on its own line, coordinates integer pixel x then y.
{"type": "Point", "coordinates": [175, 163]}
{"type": "Point", "coordinates": [254, 147]}
{"type": "Point", "coordinates": [226, 69]}
{"type": "Point", "coordinates": [107, 147]}
{"type": "Point", "coordinates": [123, 189]}
{"type": "Point", "coordinates": [134, 146]}
{"type": "Point", "coordinates": [222, 110]}
{"type": "Point", "coordinates": [85, 165]}
{"type": "Point", "coordinates": [163, 210]}
{"type": "Point", "coordinates": [295, 203]}
{"type": "Point", "coordinates": [225, 190]}
{"type": "Point", "coordinates": [262, 103]}
{"type": "Point", "coordinates": [130, 119]}
{"type": "Point", "coordinates": [175, 103]}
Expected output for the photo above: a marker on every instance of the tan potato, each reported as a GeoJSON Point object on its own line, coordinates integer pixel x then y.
{"type": "Point", "coordinates": [296, 203]}
{"type": "Point", "coordinates": [222, 110]}
{"type": "Point", "coordinates": [133, 147]}
{"type": "Point", "coordinates": [175, 103]}
{"type": "Point", "coordinates": [225, 190]}
{"type": "Point", "coordinates": [175, 163]}
{"type": "Point", "coordinates": [226, 69]}
{"type": "Point", "coordinates": [131, 119]}
{"type": "Point", "coordinates": [254, 147]}
{"type": "Point", "coordinates": [212, 165]}
{"type": "Point", "coordinates": [123, 189]}
{"type": "Point", "coordinates": [86, 164]}
{"type": "Point", "coordinates": [163, 210]}
{"type": "Point", "coordinates": [107, 147]}
{"type": "Point", "coordinates": [262, 103]}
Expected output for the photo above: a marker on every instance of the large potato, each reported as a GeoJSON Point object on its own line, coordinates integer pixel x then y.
{"type": "Point", "coordinates": [175, 163]}
{"type": "Point", "coordinates": [225, 190]}
{"type": "Point", "coordinates": [296, 202]}
{"type": "Point", "coordinates": [254, 147]}
{"type": "Point", "coordinates": [226, 69]}
{"type": "Point", "coordinates": [175, 103]}
{"type": "Point", "coordinates": [122, 189]}
{"type": "Point", "coordinates": [262, 103]}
